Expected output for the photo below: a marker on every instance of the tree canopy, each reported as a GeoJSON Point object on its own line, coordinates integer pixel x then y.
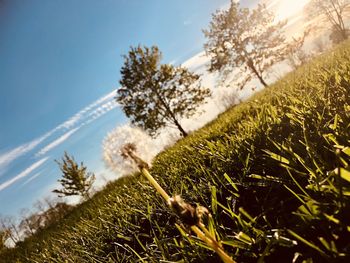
{"type": "Point", "coordinates": [155, 95]}
{"type": "Point", "coordinates": [248, 41]}
{"type": "Point", "coordinates": [75, 179]}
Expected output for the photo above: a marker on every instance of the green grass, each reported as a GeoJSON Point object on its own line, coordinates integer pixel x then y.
{"type": "Point", "coordinates": [274, 172]}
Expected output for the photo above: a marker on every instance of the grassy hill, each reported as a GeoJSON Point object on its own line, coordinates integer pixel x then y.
{"type": "Point", "coordinates": [274, 172]}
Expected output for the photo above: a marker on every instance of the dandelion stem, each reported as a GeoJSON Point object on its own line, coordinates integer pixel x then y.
{"type": "Point", "coordinates": [206, 237]}
{"type": "Point", "coordinates": [159, 189]}
{"type": "Point", "coordinates": [213, 244]}
{"type": "Point", "coordinates": [206, 231]}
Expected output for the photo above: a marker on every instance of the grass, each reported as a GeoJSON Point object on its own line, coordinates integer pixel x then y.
{"type": "Point", "coordinates": [274, 172]}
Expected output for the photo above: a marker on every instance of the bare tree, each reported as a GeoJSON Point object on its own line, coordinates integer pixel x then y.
{"type": "Point", "coordinates": [27, 224]}
{"type": "Point", "coordinates": [321, 45]}
{"type": "Point", "coordinates": [45, 208]}
{"type": "Point", "coordinates": [228, 99]}
{"type": "Point", "coordinates": [297, 56]}
{"type": "Point", "coordinates": [8, 224]}
{"type": "Point", "coordinates": [41, 208]}
{"type": "Point", "coordinates": [49, 210]}
{"type": "Point", "coordinates": [4, 235]}
{"type": "Point", "coordinates": [334, 11]}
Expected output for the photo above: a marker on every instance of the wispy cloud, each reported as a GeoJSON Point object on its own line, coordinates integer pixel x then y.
{"type": "Point", "coordinates": [56, 142]}
{"type": "Point", "coordinates": [85, 111]}
{"type": "Point", "coordinates": [23, 174]}
{"type": "Point", "coordinates": [103, 109]}
{"type": "Point", "coordinates": [83, 117]}
{"type": "Point", "coordinates": [8, 157]}
{"type": "Point", "coordinates": [31, 178]}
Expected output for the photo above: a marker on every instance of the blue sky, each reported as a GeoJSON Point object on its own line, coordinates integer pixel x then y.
{"type": "Point", "coordinates": [60, 64]}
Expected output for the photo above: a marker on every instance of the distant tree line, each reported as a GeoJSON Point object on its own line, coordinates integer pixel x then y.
{"type": "Point", "coordinates": [44, 214]}
{"type": "Point", "coordinates": [75, 181]}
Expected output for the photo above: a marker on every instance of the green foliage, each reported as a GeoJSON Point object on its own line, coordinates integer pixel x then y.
{"type": "Point", "coordinates": [156, 95]}
{"type": "Point", "coordinates": [274, 172]}
{"type": "Point", "coordinates": [75, 180]}
{"type": "Point", "coordinates": [247, 41]}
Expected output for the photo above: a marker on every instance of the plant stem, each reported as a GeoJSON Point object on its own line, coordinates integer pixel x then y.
{"type": "Point", "coordinates": [213, 244]}
{"type": "Point", "coordinates": [155, 184]}
{"type": "Point", "coordinates": [206, 236]}
{"type": "Point", "coordinates": [206, 231]}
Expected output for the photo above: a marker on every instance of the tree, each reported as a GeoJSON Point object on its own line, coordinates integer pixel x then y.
{"type": "Point", "coordinates": [297, 56]}
{"type": "Point", "coordinates": [157, 95]}
{"type": "Point", "coordinates": [4, 235]}
{"type": "Point", "coordinates": [320, 45]}
{"type": "Point", "coordinates": [227, 99]}
{"type": "Point", "coordinates": [30, 223]}
{"type": "Point", "coordinates": [246, 40]}
{"type": "Point", "coordinates": [76, 180]}
{"type": "Point", "coordinates": [10, 229]}
{"type": "Point", "coordinates": [48, 211]}
{"type": "Point", "coordinates": [334, 11]}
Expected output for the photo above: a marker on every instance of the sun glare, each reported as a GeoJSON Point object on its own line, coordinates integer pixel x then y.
{"type": "Point", "coordinates": [289, 8]}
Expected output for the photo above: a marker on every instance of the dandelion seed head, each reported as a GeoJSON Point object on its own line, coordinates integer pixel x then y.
{"type": "Point", "coordinates": [133, 138]}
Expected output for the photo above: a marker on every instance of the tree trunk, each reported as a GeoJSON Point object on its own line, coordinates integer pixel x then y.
{"type": "Point", "coordinates": [166, 106]}
{"type": "Point", "coordinates": [255, 71]}
{"type": "Point", "coordinates": [344, 34]}
{"type": "Point", "coordinates": [183, 132]}
{"type": "Point", "coordinates": [341, 23]}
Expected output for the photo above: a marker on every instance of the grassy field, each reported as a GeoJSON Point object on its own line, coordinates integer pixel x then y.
{"type": "Point", "coordinates": [273, 171]}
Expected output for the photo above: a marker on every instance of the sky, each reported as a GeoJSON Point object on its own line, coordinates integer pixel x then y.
{"type": "Point", "coordinates": [60, 63]}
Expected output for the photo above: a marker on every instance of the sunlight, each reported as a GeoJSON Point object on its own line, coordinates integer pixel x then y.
{"type": "Point", "coordinates": [286, 8]}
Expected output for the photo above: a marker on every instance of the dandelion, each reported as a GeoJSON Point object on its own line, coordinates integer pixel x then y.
{"type": "Point", "coordinates": [127, 134]}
